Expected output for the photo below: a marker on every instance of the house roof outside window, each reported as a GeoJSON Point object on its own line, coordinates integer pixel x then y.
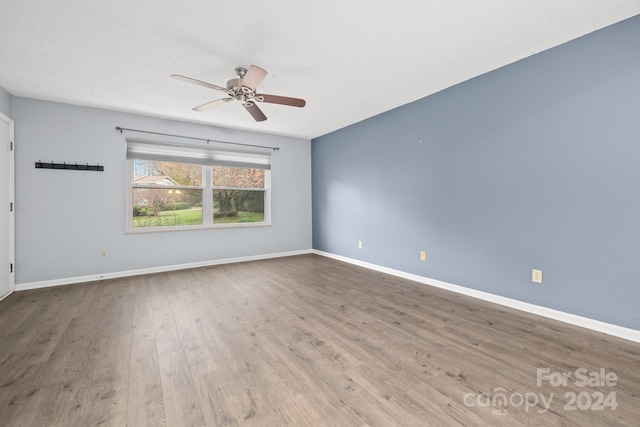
{"type": "Point", "coordinates": [153, 180]}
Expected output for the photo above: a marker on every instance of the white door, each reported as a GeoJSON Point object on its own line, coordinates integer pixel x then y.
{"type": "Point", "coordinates": [6, 206]}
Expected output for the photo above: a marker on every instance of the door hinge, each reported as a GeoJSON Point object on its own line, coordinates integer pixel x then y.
{"type": "Point", "coordinates": [10, 206]}
{"type": "Point", "coordinates": [10, 145]}
{"type": "Point", "coordinates": [11, 268]}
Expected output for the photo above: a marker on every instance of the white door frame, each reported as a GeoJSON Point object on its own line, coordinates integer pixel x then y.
{"type": "Point", "coordinates": [11, 183]}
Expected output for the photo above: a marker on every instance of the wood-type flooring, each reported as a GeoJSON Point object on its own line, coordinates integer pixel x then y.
{"type": "Point", "coordinates": [300, 341]}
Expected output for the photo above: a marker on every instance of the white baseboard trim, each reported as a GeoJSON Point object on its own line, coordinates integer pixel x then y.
{"type": "Point", "coordinates": [6, 295]}
{"type": "Point", "coordinates": [162, 269]}
{"type": "Point", "coordinates": [585, 322]}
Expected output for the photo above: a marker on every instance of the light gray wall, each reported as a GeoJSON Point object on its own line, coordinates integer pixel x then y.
{"type": "Point", "coordinates": [64, 218]}
{"type": "Point", "coordinates": [534, 165]}
{"type": "Point", "coordinates": [5, 102]}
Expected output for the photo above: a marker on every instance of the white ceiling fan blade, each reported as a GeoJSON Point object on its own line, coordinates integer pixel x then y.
{"type": "Point", "coordinates": [282, 100]}
{"type": "Point", "coordinates": [198, 82]}
{"type": "Point", "coordinates": [212, 104]}
{"type": "Point", "coordinates": [253, 77]}
{"type": "Point", "coordinates": [256, 112]}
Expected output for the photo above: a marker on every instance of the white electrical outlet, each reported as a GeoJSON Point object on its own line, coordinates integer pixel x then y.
{"type": "Point", "coordinates": [423, 256]}
{"type": "Point", "coordinates": [536, 276]}
{"type": "Point", "coordinates": [359, 244]}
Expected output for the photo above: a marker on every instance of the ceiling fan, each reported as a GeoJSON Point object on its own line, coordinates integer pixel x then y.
{"type": "Point", "coordinates": [243, 90]}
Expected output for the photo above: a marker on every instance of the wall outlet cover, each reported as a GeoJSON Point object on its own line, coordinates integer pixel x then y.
{"type": "Point", "coordinates": [536, 276]}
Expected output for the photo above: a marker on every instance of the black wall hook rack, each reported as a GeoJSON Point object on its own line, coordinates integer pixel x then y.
{"type": "Point", "coordinates": [70, 166]}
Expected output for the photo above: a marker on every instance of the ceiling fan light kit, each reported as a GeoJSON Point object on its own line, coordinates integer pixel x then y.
{"type": "Point", "coordinates": [243, 90]}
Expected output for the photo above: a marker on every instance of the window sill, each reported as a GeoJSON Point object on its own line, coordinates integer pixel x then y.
{"type": "Point", "coordinates": [144, 230]}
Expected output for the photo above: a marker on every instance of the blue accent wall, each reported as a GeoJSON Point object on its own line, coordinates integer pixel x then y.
{"type": "Point", "coordinates": [534, 165]}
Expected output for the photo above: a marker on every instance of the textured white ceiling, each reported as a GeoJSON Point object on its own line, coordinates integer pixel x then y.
{"type": "Point", "coordinates": [349, 59]}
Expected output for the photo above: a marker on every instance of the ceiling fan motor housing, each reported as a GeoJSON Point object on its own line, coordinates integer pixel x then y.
{"type": "Point", "coordinates": [242, 94]}
{"type": "Point", "coordinates": [233, 83]}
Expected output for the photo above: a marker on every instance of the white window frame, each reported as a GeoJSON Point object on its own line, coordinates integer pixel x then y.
{"type": "Point", "coordinates": [207, 189]}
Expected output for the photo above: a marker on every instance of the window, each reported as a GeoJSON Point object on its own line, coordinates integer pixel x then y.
{"type": "Point", "coordinates": [166, 194]}
{"type": "Point", "coordinates": [182, 187]}
{"type": "Point", "coordinates": [238, 194]}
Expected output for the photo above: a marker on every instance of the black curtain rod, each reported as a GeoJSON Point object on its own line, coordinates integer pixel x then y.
{"type": "Point", "coordinates": [121, 129]}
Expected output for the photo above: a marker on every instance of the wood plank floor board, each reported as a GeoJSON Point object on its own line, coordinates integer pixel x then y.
{"type": "Point", "coordinates": [257, 407]}
{"type": "Point", "coordinates": [38, 406]}
{"type": "Point", "coordinates": [381, 384]}
{"type": "Point", "coordinates": [490, 357]}
{"type": "Point", "coordinates": [194, 345]}
{"type": "Point", "coordinates": [71, 353]}
{"type": "Point", "coordinates": [443, 406]}
{"type": "Point", "coordinates": [179, 395]}
{"type": "Point", "coordinates": [143, 327]}
{"type": "Point", "coordinates": [304, 373]}
{"type": "Point", "coordinates": [238, 363]}
{"type": "Point", "coordinates": [104, 401]}
{"type": "Point", "coordinates": [167, 337]}
{"type": "Point", "coordinates": [299, 412]}
{"type": "Point", "coordinates": [37, 335]}
{"type": "Point", "coordinates": [302, 340]}
{"type": "Point", "coordinates": [215, 400]}
{"type": "Point", "coordinates": [223, 408]}
{"type": "Point", "coordinates": [145, 405]}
